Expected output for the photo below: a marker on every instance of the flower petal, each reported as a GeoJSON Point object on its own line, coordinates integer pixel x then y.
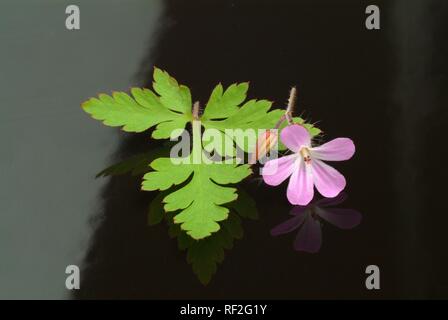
{"type": "Point", "coordinates": [335, 150]}
{"type": "Point", "coordinates": [295, 136]}
{"type": "Point", "coordinates": [289, 225]}
{"type": "Point", "coordinates": [300, 188]}
{"type": "Point", "coordinates": [278, 170]}
{"type": "Point", "coordinates": [309, 237]}
{"type": "Point", "coordinates": [328, 181]}
{"type": "Point", "coordinates": [341, 218]}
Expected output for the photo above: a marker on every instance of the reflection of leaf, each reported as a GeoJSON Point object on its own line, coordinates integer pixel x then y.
{"type": "Point", "coordinates": [135, 165]}
{"type": "Point", "coordinates": [155, 211]}
{"type": "Point", "coordinates": [204, 255]}
{"type": "Point", "coordinates": [245, 205]}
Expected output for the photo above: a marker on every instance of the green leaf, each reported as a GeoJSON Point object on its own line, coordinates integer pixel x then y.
{"type": "Point", "coordinates": [144, 109]}
{"type": "Point", "coordinates": [218, 141]}
{"type": "Point", "coordinates": [201, 199]}
{"type": "Point", "coordinates": [172, 95]}
{"type": "Point", "coordinates": [201, 194]}
{"type": "Point", "coordinates": [314, 131]}
{"type": "Point", "coordinates": [222, 104]}
{"type": "Point", "coordinates": [254, 114]}
{"type": "Point", "coordinates": [225, 110]}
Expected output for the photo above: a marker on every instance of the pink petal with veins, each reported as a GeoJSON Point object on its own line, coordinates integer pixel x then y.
{"type": "Point", "coordinates": [328, 181]}
{"type": "Point", "coordinates": [295, 136]}
{"type": "Point", "coordinates": [335, 150]}
{"type": "Point", "coordinates": [278, 170]}
{"type": "Point", "coordinates": [300, 188]}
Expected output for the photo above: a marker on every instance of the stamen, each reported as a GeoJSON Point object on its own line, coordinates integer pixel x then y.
{"type": "Point", "coordinates": [305, 153]}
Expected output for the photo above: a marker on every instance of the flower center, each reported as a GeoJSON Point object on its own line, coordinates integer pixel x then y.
{"type": "Point", "coordinates": [305, 153]}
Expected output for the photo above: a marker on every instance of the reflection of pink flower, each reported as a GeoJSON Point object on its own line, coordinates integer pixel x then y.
{"type": "Point", "coordinates": [305, 166]}
{"type": "Point", "coordinates": [307, 218]}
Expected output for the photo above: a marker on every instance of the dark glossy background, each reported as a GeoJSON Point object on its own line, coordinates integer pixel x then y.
{"type": "Point", "coordinates": [386, 89]}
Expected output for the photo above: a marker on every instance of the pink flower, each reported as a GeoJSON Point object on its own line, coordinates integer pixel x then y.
{"type": "Point", "coordinates": [305, 166]}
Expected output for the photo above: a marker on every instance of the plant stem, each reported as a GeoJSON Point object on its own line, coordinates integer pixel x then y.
{"type": "Point", "coordinates": [196, 128]}
{"type": "Point", "coordinates": [195, 110]}
{"type": "Point", "coordinates": [289, 109]}
{"type": "Point", "coordinates": [291, 104]}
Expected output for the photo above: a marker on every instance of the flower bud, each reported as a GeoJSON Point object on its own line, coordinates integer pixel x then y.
{"type": "Point", "coordinates": [266, 142]}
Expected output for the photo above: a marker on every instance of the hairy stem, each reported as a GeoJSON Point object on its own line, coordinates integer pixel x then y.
{"type": "Point", "coordinates": [195, 111]}
{"type": "Point", "coordinates": [289, 109]}
{"type": "Point", "coordinates": [291, 104]}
